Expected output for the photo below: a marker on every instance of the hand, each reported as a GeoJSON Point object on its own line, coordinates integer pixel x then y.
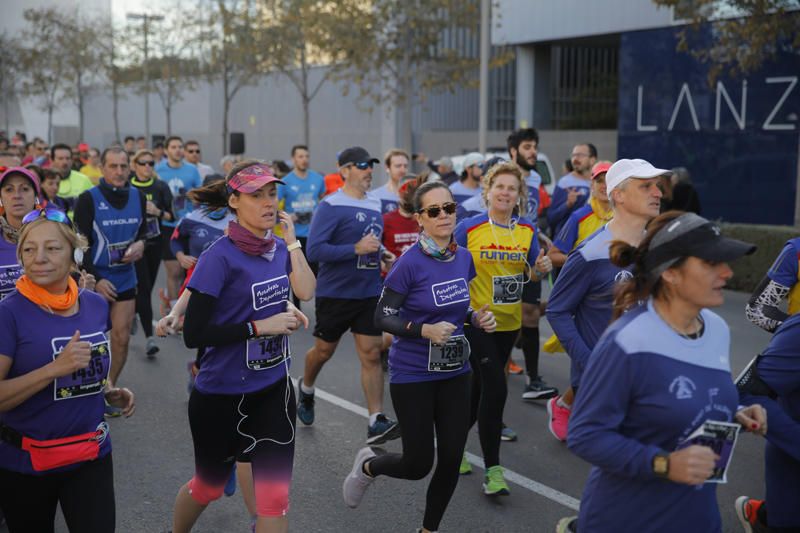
{"type": "Point", "coordinates": [74, 356]}
{"type": "Point", "coordinates": [168, 325]}
{"type": "Point", "coordinates": [87, 281]}
{"type": "Point", "coordinates": [122, 398]}
{"type": "Point", "coordinates": [753, 418]}
{"type": "Point", "coordinates": [438, 333]}
{"type": "Point", "coordinates": [368, 244]}
{"type": "Point", "coordinates": [387, 260]}
{"type": "Point", "coordinates": [152, 209]}
{"type": "Point", "coordinates": [106, 289]}
{"type": "Point", "coordinates": [692, 465]}
{"type": "Point", "coordinates": [186, 261]}
{"type": "Point", "coordinates": [301, 317]}
{"type": "Point", "coordinates": [484, 319]}
{"type": "Point", "coordinates": [287, 224]}
{"type": "Point", "coordinates": [572, 196]}
{"type": "Point", "coordinates": [543, 263]}
{"type": "Point", "coordinates": [134, 252]}
{"type": "Point", "coordinates": [281, 324]}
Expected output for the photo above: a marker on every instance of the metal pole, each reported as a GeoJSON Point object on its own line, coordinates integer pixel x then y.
{"type": "Point", "coordinates": [146, 85]}
{"type": "Point", "coordinates": [483, 107]}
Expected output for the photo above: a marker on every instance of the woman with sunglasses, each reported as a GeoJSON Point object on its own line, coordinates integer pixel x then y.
{"type": "Point", "coordinates": [243, 399]}
{"type": "Point", "coordinates": [505, 249]}
{"type": "Point", "coordinates": [158, 208]}
{"type": "Point", "coordinates": [424, 304]}
{"type": "Point", "coordinates": [19, 194]}
{"type": "Point", "coordinates": [54, 363]}
{"type": "Point", "coordinates": [658, 376]}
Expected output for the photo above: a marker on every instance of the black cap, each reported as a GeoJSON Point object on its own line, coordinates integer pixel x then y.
{"type": "Point", "coordinates": [355, 154]}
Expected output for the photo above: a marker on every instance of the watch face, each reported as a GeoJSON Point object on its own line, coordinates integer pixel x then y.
{"type": "Point", "coordinates": [660, 465]}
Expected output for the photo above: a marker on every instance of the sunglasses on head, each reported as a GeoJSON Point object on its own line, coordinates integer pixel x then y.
{"type": "Point", "coordinates": [363, 165]}
{"type": "Point", "coordinates": [433, 210]}
{"type": "Point", "coordinates": [50, 213]}
{"type": "Point", "coordinates": [148, 163]}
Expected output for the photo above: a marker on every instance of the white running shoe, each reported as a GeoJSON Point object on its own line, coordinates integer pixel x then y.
{"type": "Point", "coordinates": [356, 482]}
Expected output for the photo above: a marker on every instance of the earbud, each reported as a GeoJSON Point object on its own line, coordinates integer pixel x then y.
{"type": "Point", "coordinates": [77, 256]}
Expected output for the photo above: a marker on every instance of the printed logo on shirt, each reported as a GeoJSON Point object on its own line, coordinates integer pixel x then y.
{"type": "Point", "coordinates": [271, 292]}
{"type": "Point", "coordinates": [361, 217]}
{"type": "Point", "coordinates": [102, 206]}
{"type": "Point", "coordinates": [9, 274]}
{"type": "Point", "coordinates": [682, 387]}
{"type": "Point", "coordinates": [201, 233]}
{"type": "Point", "coordinates": [623, 276]}
{"type": "Point", "coordinates": [120, 221]}
{"type": "Point", "coordinates": [450, 292]}
{"type": "Point", "coordinates": [724, 412]}
{"type": "Point", "coordinates": [498, 252]}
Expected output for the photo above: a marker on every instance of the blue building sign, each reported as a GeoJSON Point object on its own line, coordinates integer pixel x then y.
{"type": "Point", "coordinates": [740, 138]}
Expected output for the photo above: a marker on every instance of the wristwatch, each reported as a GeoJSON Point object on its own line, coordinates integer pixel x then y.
{"type": "Point", "coordinates": [294, 246]}
{"type": "Point", "coordinates": [661, 465]}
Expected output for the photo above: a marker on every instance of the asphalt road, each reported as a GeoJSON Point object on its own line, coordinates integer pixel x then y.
{"type": "Point", "coordinates": [153, 453]}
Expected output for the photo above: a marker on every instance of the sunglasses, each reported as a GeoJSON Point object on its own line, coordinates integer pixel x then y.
{"type": "Point", "coordinates": [193, 151]}
{"type": "Point", "coordinates": [363, 165]}
{"type": "Point", "coordinates": [148, 163]}
{"type": "Point", "coordinates": [433, 211]}
{"type": "Point", "coordinates": [50, 213]}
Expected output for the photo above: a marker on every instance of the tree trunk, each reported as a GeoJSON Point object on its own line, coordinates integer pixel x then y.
{"type": "Point", "coordinates": [225, 110]}
{"type": "Point", "coordinates": [115, 93]}
{"type": "Point", "coordinates": [80, 112]}
{"type": "Point", "coordinates": [168, 112]}
{"type": "Point", "coordinates": [305, 98]}
{"type": "Point", "coordinates": [50, 124]}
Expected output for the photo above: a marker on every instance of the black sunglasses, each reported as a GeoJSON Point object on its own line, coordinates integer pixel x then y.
{"type": "Point", "coordinates": [363, 165]}
{"type": "Point", "coordinates": [193, 151]}
{"type": "Point", "coordinates": [433, 210]}
{"type": "Point", "coordinates": [148, 163]}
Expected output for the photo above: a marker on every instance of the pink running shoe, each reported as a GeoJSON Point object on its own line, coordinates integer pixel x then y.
{"type": "Point", "coordinates": [557, 419]}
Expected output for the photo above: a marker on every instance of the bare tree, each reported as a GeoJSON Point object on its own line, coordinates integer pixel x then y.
{"type": "Point", "coordinates": [9, 75]}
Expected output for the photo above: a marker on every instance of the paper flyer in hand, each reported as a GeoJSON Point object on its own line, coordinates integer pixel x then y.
{"type": "Point", "coordinates": [720, 437]}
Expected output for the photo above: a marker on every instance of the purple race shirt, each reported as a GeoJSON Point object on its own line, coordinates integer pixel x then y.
{"type": "Point", "coordinates": [247, 288]}
{"type": "Point", "coordinates": [10, 271]}
{"type": "Point", "coordinates": [435, 291]}
{"type": "Point", "coordinates": [71, 405]}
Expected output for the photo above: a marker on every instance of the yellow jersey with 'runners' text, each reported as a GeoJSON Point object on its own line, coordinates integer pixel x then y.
{"type": "Point", "coordinates": [502, 257]}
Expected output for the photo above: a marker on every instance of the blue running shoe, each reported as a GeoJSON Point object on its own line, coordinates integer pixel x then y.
{"type": "Point", "coordinates": [305, 405]}
{"type": "Point", "coordinates": [382, 430]}
{"type": "Point", "coordinates": [230, 486]}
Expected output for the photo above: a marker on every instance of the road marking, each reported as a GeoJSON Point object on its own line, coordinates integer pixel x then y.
{"type": "Point", "coordinates": [524, 482]}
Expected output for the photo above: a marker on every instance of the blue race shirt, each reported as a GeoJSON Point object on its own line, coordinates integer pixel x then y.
{"type": "Point", "coordinates": [197, 231]}
{"type": "Point", "coordinates": [461, 193]}
{"type": "Point", "coordinates": [340, 222]}
{"type": "Point", "coordinates": [10, 270]}
{"type": "Point", "coordinates": [558, 212]}
{"type": "Point", "coordinates": [534, 182]}
{"type": "Point", "coordinates": [114, 231]}
{"type": "Point", "coordinates": [470, 207]}
{"type": "Point", "coordinates": [180, 180]}
{"type": "Point", "coordinates": [389, 200]}
{"type": "Point", "coordinates": [645, 390]}
{"type": "Point", "coordinates": [434, 291]}
{"type": "Point", "coordinates": [301, 196]}
{"type": "Point", "coordinates": [580, 307]}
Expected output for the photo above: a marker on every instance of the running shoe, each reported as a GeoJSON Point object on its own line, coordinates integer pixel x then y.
{"type": "Point", "coordinates": [151, 348]}
{"type": "Point", "coordinates": [356, 482]}
{"type": "Point", "coordinates": [382, 430]}
{"type": "Point", "coordinates": [494, 484]}
{"type": "Point", "coordinates": [557, 419]}
{"type": "Point", "coordinates": [305, 405]}
{"type": "Point", "coordinates": [507, 434]}
{"type": "Point", "coordinates": [230, 486]}
{"type": "Point", "coordinates": [514, 368]}
{"type": "Point", "coordinates": [567, 525]}
{"type": "Point", "coordinates": [464, 468]}
{"type": "Point", "coordinates": [747, 511]}
{"type": "Point", "coordinates": [537, 389]}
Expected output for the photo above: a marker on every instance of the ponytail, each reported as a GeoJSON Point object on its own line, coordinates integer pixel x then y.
{"type": "Point", "coordinates": [215, 195]}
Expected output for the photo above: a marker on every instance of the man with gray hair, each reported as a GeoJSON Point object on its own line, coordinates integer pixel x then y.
{"type": "Point", "coordinates": [227, 162]}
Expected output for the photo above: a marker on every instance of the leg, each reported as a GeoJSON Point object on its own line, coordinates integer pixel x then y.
{"type": "Point", "coordinates": [244, 474]}
{"type": "Point", "coordinates": [452, 424]}
{"type": "Point", "coordinates": [28, 502]}
{"type": "Point", "coordinates": [144, 287]}
{"type": "Point", "coordinates": [121, 317]}
{"type": "Point", "coordinates": [175, 276]}
{"type": "Point", "coordinates": [87, 497]}
{"type": "Point", "coordinates": [530, 338]}
{"type": "Point", "coordinates": [316, 357]}
{"type": "Point", "coordinates": [152, 254]}
{"type": "Point", "coordinates": [369, 353]}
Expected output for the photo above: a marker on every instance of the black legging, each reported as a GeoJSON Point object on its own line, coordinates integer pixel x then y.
{"type": "Point", "coordinates": [86, 497]}
{"type": "Point", "coordinates": [489, 354]}
{"type": "Point", "coordinates": [146, 273]}
{"type": "Point", "coordinates": [421, 407]}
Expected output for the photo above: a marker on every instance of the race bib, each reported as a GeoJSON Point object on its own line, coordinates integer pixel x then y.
{"type": "Point", "coordinates": [507, 290]}
{"type": "Point", "coordinates": [267, 352]}
{"type": "Point", "coordinates": [450, 356]}
{"type": "Point", "coordinates": [720, 437]}
{"type": "Point", "coordinates": [152, 227]}
{"type": "Point", "coordinates": [369, 261]}
{"type": "Point", "coordinates": [9, 274]}
{"type": "Point", "coordinates": [86, 381]}
{"type": "Point", "coordinates": [116, 252]}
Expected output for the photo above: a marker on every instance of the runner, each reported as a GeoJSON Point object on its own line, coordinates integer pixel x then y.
{"type": "Point", "coordinates": [579, 308]}
{"type": "Point", "coordinates": [505, 249]}
{"type": "Point", "coordinates": [657, 377]}
{"type": "Point", "coordinates": [572, 190]}
{"type": "Point", "coordinates": [19, 195]}
{"type": "Point", "coordinates": [470, 183]}
{"type": "Point", "coordinates": [54, 363]}
{"type": "Point", "coordinates": [158, 208]}
{"type": "Point", "coordinates": [73, 183]}
{"type": "Point", "coordinates": [773, 381]}
{"type": "Point", "coordinates": [396, 162]}
{"type": "Point", "coordinates": [345, 238]}
{"type": "Point", "coordinates": [242, 402]}
{"type": "Point", "coordinates": [424, 304]}
{"type": "Point", "coordinates": [400, 227]}
{"type": "Point", "coordinates": [780, 282]}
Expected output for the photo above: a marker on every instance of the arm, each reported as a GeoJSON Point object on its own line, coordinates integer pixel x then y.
{"type": "Point", "coordinates": [301, 277]}
{"type": "Point", "coordinates": [83, 219]}
{"type": "Point", "coordinates": [323, 226]}
{"type": "Point", "coordinates": [762, 309]}
{"type": "Point", "coordinates": [558, 210]}
{"type": "Point", "coordinates": [199, 331]}
{"type": "Point", "coordinates": [17, 390]}
{"type": "Point", "coordinates": [166, 203]}
{"type": "Point", "coordinates": [568, 292]}
{"type": "Point", "coordinates": [387, 316]}
{"type": "Point", "coordinates": [141, 234]}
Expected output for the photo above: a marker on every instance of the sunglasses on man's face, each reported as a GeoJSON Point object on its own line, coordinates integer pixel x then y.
{"type": "Point", "coordinates": [193, 151]}
{"type": "Point", "coordinates": [433, 211]}
{"type": "Point", "coordinates": [52, 214]}
{"type": "Point", "coordinates": [363, 165]}
{"type": "Point", "coordinates": [148, 163]}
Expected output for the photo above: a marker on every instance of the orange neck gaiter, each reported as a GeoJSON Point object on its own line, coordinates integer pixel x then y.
{"type": "Point", "coordinates": [40, 296]}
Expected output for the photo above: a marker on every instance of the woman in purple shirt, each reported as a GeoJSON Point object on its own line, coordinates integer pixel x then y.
{"type": "Point", "coordinates": [239, 313]}
{"type": "Point", "coordinates": [54, 362]}
{"type": "Point", "coordinates": [19, 194]}
{"type": "Point", "coordinates": [424, 304]}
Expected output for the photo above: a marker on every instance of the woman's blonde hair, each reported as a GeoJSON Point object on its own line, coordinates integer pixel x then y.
{"type": "Point", "coordinates": [507, 167]}
{"type": "Point", "coordinates": [75, 240]}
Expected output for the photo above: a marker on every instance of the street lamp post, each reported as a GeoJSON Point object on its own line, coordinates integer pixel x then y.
{"type": "Point", "coordinates": [483, 92]}
{"type": "Point", "coordinates": [146, 19]}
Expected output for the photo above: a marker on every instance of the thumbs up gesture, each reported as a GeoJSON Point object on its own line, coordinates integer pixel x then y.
{"type": "Point", "coordinates": [543, 265]}
{"type": "Point", "coordinates": [75, 355]}
{"type": "Point", "coordinates": [484, 319]}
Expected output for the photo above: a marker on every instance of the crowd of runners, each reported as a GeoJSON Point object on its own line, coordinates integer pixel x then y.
{"type": "Point", "coordinates": [438, 276]}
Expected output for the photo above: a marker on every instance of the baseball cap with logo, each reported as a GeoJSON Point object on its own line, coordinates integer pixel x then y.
{"type": "Point", "coordinates": [631, 168]}
{"type": "Point", "coordinates": [354, 155]}
{"type": "Point", "coordinates": [252, 178]}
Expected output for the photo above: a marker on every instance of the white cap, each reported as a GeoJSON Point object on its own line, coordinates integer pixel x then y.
{"type": "Point", "coordinates": [631, 168]}
{"type": "Point", "coordinates": [473, 158]}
